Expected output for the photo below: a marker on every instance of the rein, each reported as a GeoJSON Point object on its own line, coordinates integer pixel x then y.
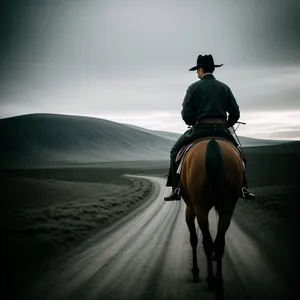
{"type": "Point", "coordinates": [233, 130]}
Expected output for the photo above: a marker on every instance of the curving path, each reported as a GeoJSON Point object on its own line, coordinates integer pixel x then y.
{"type": "Point", "coordinates": [148, 256]}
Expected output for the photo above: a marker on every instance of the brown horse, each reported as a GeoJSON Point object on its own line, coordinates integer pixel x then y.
{"type": "Point", "coordinates": [212, 176]}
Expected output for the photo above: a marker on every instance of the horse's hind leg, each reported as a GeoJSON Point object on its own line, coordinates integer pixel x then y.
{"type": "Point", "coordinates": [219, 244]}
{"type": "Point", "coordinates": [208, 245]}
{"type": "Point", "coordinates": [190, 220]}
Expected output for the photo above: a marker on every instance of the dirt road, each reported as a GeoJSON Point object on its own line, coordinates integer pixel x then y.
{"type": "Point", "coordinates": [148, 256]}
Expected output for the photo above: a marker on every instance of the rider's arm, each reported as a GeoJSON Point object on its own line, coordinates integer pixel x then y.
{"type": "Point", "coordinates": [233, 109]}
{"type": "Point", "coordinates": [188, 109]}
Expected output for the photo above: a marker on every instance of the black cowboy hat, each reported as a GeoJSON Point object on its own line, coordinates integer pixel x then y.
{"type": "Point", "coordinates": [204, 61]}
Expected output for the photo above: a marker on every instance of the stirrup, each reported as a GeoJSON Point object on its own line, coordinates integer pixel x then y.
{"type": "Point", "coordinates": [177, 192]}
{"type": "Point", "coordinates": [246, 194]}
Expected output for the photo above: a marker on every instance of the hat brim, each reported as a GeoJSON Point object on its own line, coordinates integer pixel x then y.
{"type": "Point", "coordinates": [201, 66]}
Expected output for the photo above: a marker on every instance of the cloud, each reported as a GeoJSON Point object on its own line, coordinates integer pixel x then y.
{"type": "Point", "coordinates": [265, 88]}
{"type": "Point", "coordinates": [111, 57]}
{"type": "Point", "coordinates": [256, 89]}
{"type": "Point", "coordinates": [287, 134]}
{"type": "Point", "coordinates": [266, 125]}
{"type": "Point", "coordinates": [271, 124]}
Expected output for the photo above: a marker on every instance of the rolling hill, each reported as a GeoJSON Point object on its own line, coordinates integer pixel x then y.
{"type": "Point", "coordinates": [245, 141]}
{"type": "Point", "coordinates": [51, 139]}
{"type": "Point", "coordinates": [47, 139]}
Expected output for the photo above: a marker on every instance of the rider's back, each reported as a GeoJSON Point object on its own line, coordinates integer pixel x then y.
{"type": "Point", "coordinates": [210, 98]}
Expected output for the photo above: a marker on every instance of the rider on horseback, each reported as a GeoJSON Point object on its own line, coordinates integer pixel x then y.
{"type": "Point", "coordinates": [205, 108]}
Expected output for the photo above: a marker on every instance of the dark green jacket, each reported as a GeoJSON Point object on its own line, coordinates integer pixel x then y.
{"type": "Point", "coordinates": [209, 97]}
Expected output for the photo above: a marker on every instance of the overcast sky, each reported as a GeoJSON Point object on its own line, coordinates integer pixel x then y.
{"type": "Point", "coordinates": [128, 60]}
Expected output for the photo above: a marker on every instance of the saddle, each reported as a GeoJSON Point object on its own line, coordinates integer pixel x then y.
{"type": "Point", "coordinates": [184, 150]}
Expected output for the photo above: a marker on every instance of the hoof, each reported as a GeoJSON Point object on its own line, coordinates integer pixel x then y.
{"type": "Point", "coordinates": [219, 282]}
{"type": "Point", "coordinates": [219, 295]}
{"type": "Point", "coordinates": [196, 278]}
{"type": "Point", "coordinates": [211, 284]}
{"type": "Point", "coordinates": [195, 271]}
{"type": "Point", "coordinates": [219, 289]}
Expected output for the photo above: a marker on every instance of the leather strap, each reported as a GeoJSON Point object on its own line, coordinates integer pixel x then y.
{"type": "Point", "coordinates": [211, 121]}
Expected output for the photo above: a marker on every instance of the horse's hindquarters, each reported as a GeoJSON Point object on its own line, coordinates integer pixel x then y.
{"type": "Point", "coordinates": [217, 166]}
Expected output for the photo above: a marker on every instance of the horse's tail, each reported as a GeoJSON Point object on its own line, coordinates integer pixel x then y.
{"type": "Point", "coordinates": [214, 170]}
